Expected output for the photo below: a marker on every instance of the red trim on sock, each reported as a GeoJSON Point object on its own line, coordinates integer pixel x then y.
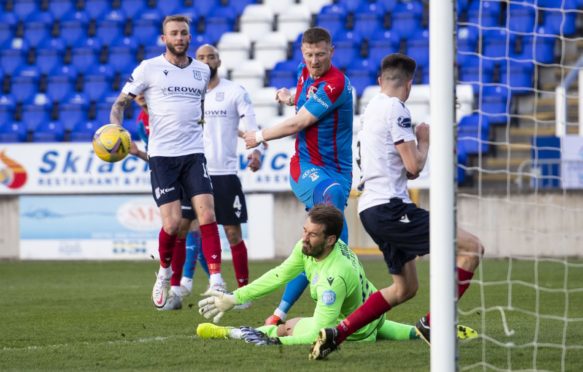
{"type": "Point", "coordinates": [165, 247]}
{"type": "Point", "coordinates": [463, 281]}
{"type": "Point", "coordinates": [211, 246]}
{"type": "Point", "coordinates": [178, 258]}
{"type": "Point", "coordinates": [240, 263]}
{"type": "Point", "coordinates": [373, 308]}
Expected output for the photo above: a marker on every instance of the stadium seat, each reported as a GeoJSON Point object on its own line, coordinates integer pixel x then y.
{"type": "Point", "coordinates": [418, 47]}
{"type": "Point", "coordinates": [485, 13]}
{"type": "Point", "coordinates": [418, 104]}
{"type": "Point", "coordinates": [12, 132]}
{"type": "Point", "coordinates": [256, 21]}
{"type": "Point", "coordinates": [382, 44]}
{"type": "Point", "coordinates": [73, 29]}
{"type": "Point", "coordinates": [250, 74]}
{"type": "Point", "coordinates": [540, 48]}
{"type": "Point", "coordinates": [84, 58]}
{"type": "Point", "coordinates": [349, 5]}
{"type": "Point", "coordinates": [33, 115]}
{"type": "Point", "coordinates": [475, 70]}
{"type": "Point", "coordinates": [473, 132]}
{"type": "Point", "coordinates": [234, 47]}
{"type": "Point", "coordinates": [146, 30]}
{"type": "Point", "coordinates": [406, 17]}
{"type": "Point", "coordinates": [152, 51]}
{"type": "Point", "coordinates": [518, 75]}
{"type": "Point", "coordinates": [495, 103]}
{"type": "Point", "coordinates": [264, 104]}
{"type": "Point", "coordinates": [97, 83]}
{"type": "Point", "coordinates": [279, 7]}
{"type": "Point", "coordinates": [198, 40]}
{"type": "Point", "coordinates": [219, 21]}
{"type": "Point", "coordinates": [270, 49]}
{"type": "Point", "coordinates": [294, 21]}
{"type": "Point", "coordinates": [122, 55]}
{"type": "Point", "coordinates": [368, 19]}
{"type": "Point", "coordinates": [59, 8]}
{"type": "Point", "coordinates": [362, 73]}
{"type": "Point", "coordinates": [111, 27]}
{"type": "Point", "coordinates": [96, 9]}
{"type": "Point", "coordinates": [37, 30]}
{"type": "Point", "coordinates": [49, 131]}
{"type": "Point", "coordinates": [11, 60]}
{"type": "Point", "coordinates": [172, 6]}
{"type": "Point", "coordinates": [521, 17]}
{"type": "Point", "coordinates": [24, 86]}
{"type": "Point", "coordinates": [7, 105]}
{"type": "Point", "coordinates": [388, 5]}
{"type": "Point", "coordinates": [498, 43]}
{"type": "Point", "coordinates": [74, 111]}
{"type": "Point", "coordinates": [315, 6]}
{"type": "Point", "coordinates": [133, 9]}
{"type": "Point", "coordinates": [59, 87]}
{"type": "Point", "coordinates": [84, 131]}
{"type": "Point", "coordinates": [7, 29]}
{"type": "Point", "coordinates": [23, 9]}
{"type": "Point", "coordinates": [49, 56]}
{"type": "Point", "coordinates": [333, 18]}
{"type": "Point", "coordinates": [560, 22]}
{"type": "Point", "coordinates": [203, 8]}
{"type": "Point", "coordinates": [467, 38]}
{"type": "Point", "coordinates": [346, 48]}
{"type": "Point", "coordinates": [462, 160]}
{"type": "Point", "coordinates": [283, 74]}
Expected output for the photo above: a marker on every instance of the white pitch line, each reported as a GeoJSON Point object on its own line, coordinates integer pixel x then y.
{"type": "Point", "coordinates": [86, 343]}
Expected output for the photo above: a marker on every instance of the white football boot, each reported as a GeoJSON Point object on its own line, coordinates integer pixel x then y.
{"type": "Point", "coordinates": [161, 290]}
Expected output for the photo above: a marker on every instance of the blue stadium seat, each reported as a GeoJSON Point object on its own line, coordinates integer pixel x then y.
{"type": "Point", "coordinates": [111, 27]}
{"type": "Point", "coordinates": [102, 111]}
{"type": "Point", "coordinates": [521, 17]}
{"type": "Point", "coordinates": [7, 106]}
{"type": "Point", "coordinates": [362, 73]}
{"type": "Point", "coordinates": [347, 48]}
{"type": "Point", "coordinates": [23, 9]}
{"type": "Point", "coordinates": [146, 30]}
{"type": "Point", "coordinates": [382, 44]}
{"type": "Point", "coordinates": [518, 75]}
{"type": "Point", "coordinates": [540, 48]}
{"type": "Point", "coordinates": [11, 60]}
{"type": "Point", "coordinates": [546, 158]}
{"type": "Point", "coordinates": [74, 112]}
{"type": "Point", "coordinates": [475, 70]}
{"type": "Point", "coordinates": [332, 18]}
{"type": "Point", "coordinates": [173, 6]}
{"type": "Point", "coordinates": [13, 132]}
{"type": "Point", "coordinates": [418, 47]}
{"type": "Point", "coordinates": [485, 13]}
{"type": "Point", "coordinates": [283, 74]}
{"type": "Point", "coordinates": [219, 21]}
{"type": "Point", "coordinates": [462, 160]}
{"type": "Point", "coordinates": [498, 43]}
{"type": "Point", "coordinates": [239, 5]}
{"type": "Point", "coordinates": [495, 103]}
{"type": "Point", "coordinates": [34, 115]}
{"type": "Point", "coordinates": [49, 56]}
{"type": "Point", "coordinates": [134, 8]}
{"type": "Point", "coordinates": [198, 40]}
{"type": "Point", "coordinates": [349, 5]}
{"type": "Point", "coordinates": [59, 8]}
{"type": "Point", "coordinates": [96, 9]}
{"type": "Point", "coordinates": [35, 32]}
{"type": "Point", "coordinates": [203, 8]}
{"type": "Point", "coordinates": [49, 131]}
{"type": "Point", "coordinates": [73, 28]}
{"type": "Point", "coordinates": [406, 17]}
{"type": "Point", "coordinates": [388, 5]}
{"type": "Point", "coordinates": [85, 130]}
{"type": "Point", "coordinates": [24, 86]}
{"type": "Point", "coordinates": [97, 83]}
{"type": "Point", "coordinates": [7, 29]}
{"type": "Point", "coordinates": [59, 87]}
{"type": "Point", "coordinates": [153, 51]}
{"type": "Point", "coordinates": [560, 22]}
{"type": "Point", "coordinates": [473, 132]}
{"type": "Point", "coordinates": [467, 38]}
{"type": "Point", "coordinates": [84, 58]}
{"type": "Point", "coordinates": [368, 19]}
{"type": "Point", "coordinates": [122, 55]}
{"type": "Point", "coordinates": [132, 126]}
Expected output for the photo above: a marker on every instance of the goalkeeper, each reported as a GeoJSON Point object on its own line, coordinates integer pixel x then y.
{"type": "Point", "coordinates": [338, 285]}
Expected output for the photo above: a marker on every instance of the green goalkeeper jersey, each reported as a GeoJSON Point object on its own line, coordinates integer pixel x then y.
{"type": "Point", "coordinates": [338, 285]}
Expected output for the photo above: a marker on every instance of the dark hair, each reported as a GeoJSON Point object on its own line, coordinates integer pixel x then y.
{"type": "Point", "coordinates": [175, 18]}
{"type": "Point", "coordinates": [314, 35]}
{"type": "Point", "coordinates": [329, 216]}
{"type": "Point", "coordinates": [400, 67]}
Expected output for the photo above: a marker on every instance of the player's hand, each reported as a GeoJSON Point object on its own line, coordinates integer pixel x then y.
{"type": "Point", "coordinates": [216, 304]}
{"type": "Point", "coordinates": [422, 133]}
{"type": "Point", "coordinates": [254, 161]}
{"type": "Point", "coordinates": [254, 336]}
{"type": "Point", "coordinates": [283, 95]}
{"type": "Point", "coordinates": [250, 141]}
{"type": "Point", "coordinates": [134, 149]}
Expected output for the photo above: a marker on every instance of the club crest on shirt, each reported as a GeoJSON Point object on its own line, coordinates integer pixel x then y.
{"type": "Point", "coordinates": [328, 297]}
{"type": "Point", "coordinates": [311, 90]}
{"type": "Point", "coordinates": [404, 122]}
{"type": "Point", "coordinates": [197, 74]}
{"type": "Point", "coordinates": [220, 96]}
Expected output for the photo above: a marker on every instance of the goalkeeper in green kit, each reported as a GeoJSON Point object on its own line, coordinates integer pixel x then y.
{"type": "Point", "coordinates": [338, 285]}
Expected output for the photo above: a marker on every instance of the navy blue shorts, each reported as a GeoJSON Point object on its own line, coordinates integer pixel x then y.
{"type": "Point", "coordinates": [230, 205]}
{"type": "Point", "coordinates": [186, 207]}
{"type": "Point", "coordinates": [401, 230]}
{"type": "Point", "coordinates": [178, 177]}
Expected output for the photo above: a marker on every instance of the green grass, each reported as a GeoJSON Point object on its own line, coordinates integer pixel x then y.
{"type": "Point", "coordinates": [98, 316]}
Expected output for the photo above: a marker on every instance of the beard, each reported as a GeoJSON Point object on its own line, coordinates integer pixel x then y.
{"type": "Point", "coordinates": [313, 251]}
{"type": "Point", "coordinates": [214, 71]}
{"type": "Point", "coordinates": [177, 53]}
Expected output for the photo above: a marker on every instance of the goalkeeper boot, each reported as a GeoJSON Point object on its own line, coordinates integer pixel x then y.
{"type": "Point", "coordinates": [324, 344]}
{"type": "Point", "coordinates": [423, 330]}
{"type": "Point", "coordinates": [466, 333]}
{"type": "Point", "coordinates": [209, 330]}
{"type": "Point", "coordinates": [161, 290]}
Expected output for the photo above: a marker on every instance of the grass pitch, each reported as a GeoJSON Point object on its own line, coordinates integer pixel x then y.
{"type": "Point", "coordinates": [99, 316]}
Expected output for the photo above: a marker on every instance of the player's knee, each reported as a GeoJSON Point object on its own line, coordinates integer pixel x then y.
{"type": "Point", "coordinates": [206, 216]}
{"type": "Point", "coordinates": [404, 293]}
{"type": "Point", "coordinates": [330, 192]}
{"type": "Point", "coordinates": [171, 226]}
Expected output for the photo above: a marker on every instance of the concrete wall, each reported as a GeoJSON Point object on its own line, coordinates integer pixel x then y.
{"type": "Point", "coordinates": [9, 228]}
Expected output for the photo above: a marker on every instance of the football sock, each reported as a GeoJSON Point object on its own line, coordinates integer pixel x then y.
{"type": "Point", "coordinates": [211, 246]}
{"type": "Point", "coordinates": [240, 263]}
{"type": "Point", "coordinates": [293, 291]}
{"type": "Point", "coordinates": [178, 258]}
{"type": "Point", "coordinates": [372, 308]}
{"type": "Point", "coordinates": [165, 247]}
{"type": "Point", "coordinates": [192, 249]}
{"type": "Point", "coordinates": [463, 278]}
{"type": "Point", "coordinates": [396, 331]}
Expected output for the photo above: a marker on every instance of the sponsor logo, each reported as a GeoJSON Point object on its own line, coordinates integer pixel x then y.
{"type": "Point", "coordinates": [404, 219]}
{"type": "Point", "coordinates": [12, 174]}
{"type": "Point", "coordinates": [330, 88]}
{"type": "Point", "coordinates": [330, 280]}
{"type": "Point", "coordinates": [182, 91]}
{"type": "Point", "coordinates": [216, 113]}
{"type": "Point", "coordinates": [320, 101]}
{"type": "Point", "coordinates": [139, 215]}
{"type": "Point", "coordinates": [315, 279]}
{"type": "Point", "coordinates": [220, 96]}
{"type": "Point", "coordinates": [161, 192]}
{"type": "Point", "coordinates": [165, 72]}
{"type": "Point", "coordinates": [328, 297]}
{"type": "Point", "coordinates": [404, 122]}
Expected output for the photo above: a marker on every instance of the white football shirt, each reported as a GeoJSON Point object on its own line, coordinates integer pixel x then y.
{"type": "Point", "coordinates": [226, 107]}
{"type": "Point", "coordinates": [173, 95]}
{"type": "Point", "coordinates": [386, 121]}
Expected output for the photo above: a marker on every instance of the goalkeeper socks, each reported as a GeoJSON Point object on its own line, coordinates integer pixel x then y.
{"type": "Point", "coordinates": [192, 249]}
{"type": "Point", "coordinates": [396, 331]}
{"type": "Point", "coordinates": [293, 291]}
{"type": "Point", "coordinates": [240, 263]}
{"type": "Point", "coordinates": [463, 281]}
{"type": "Point", "coordinates": [211, 246]}
{"type": "Point", "coordinates": [165, 247]}
{"type": "Point", "coordinates": [178, 258]}
{"type": "Point", "coordinates": [374, 307]}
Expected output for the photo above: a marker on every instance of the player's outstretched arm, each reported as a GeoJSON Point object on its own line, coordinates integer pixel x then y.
{"type": "Point", "coordinates": [118, 108]}
{"type": "Point", "coordinates": [289, 126]}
